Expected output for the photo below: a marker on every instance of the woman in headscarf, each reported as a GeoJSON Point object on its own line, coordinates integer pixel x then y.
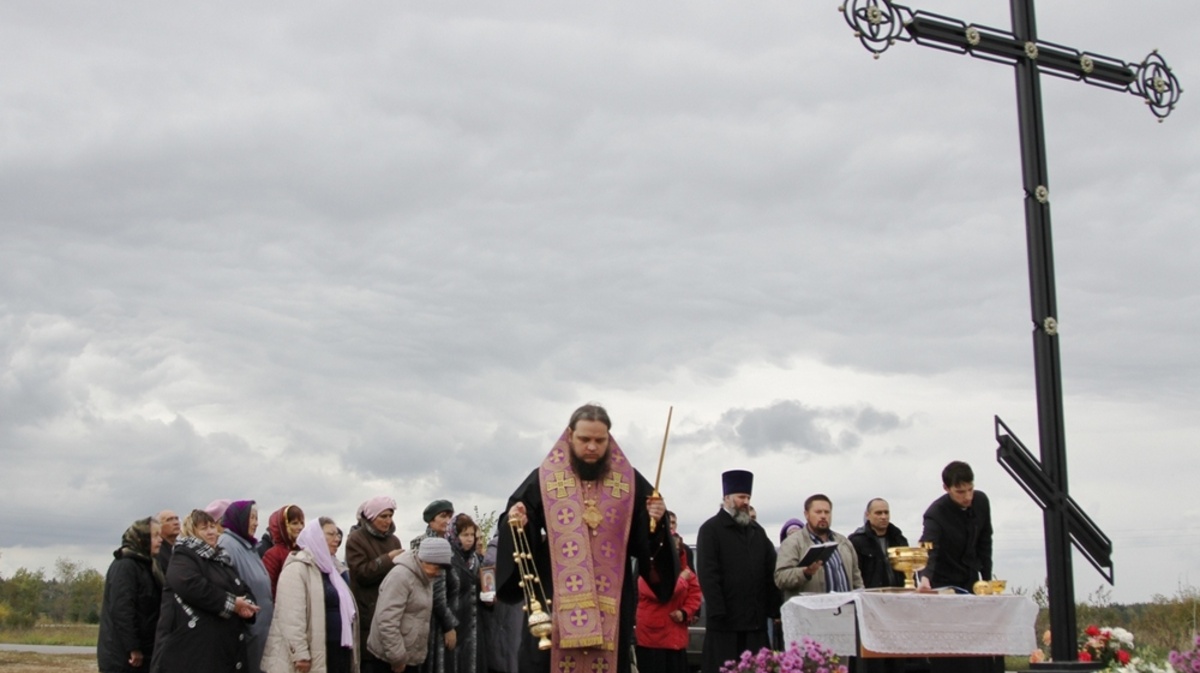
{"type": "Point", "coordinates": [468, 655]}
{"type": "Point", "coordinates": [314, 629]}
{"type": "Point", "coordinates": [371, 551]}
{"type": "Point", "coordinates": [132, 592]}
{"type": "Point", "coordinates": [790, 528]}
{"type": "Point", "coordinates": [662, 627]}
{"type": "Point", "coordinates": [205, 607]}
{"type": "Point", "coordinates": [240, 523]}
{"type": "Point", "coordinates": [216, 509]}
{"type": "Point", "coordinates": [285, 524]}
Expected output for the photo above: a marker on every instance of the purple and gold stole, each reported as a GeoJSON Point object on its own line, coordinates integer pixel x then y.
{"type": "Point", "coordinates": [588, 565]}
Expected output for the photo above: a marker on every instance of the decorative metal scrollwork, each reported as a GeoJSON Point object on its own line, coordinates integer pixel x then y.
{"type": "Point", "coordinates": [1042, 194]}
{"type": "Point", "coordinates": [876, 23]}
{"type": "Point", "coordinates": [973, 36]}
{"type": "Point", "coordinates": [1050, 326]}
{"type": "Point", "coordinates": [1086, 64]}
{"type": "Point", "coordinates": [1031, 50]}
{"type": "Point", "coordinates": [1155, 82]}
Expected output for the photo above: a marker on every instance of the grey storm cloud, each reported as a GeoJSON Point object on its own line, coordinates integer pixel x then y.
{"type": "Point", "coordinates": [791, 425]}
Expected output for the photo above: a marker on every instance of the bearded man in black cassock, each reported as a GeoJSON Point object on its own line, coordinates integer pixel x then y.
{"type": "Point", "coordinates": [595, 511]}
{"type": "Point", "coordinates": [736, 564]}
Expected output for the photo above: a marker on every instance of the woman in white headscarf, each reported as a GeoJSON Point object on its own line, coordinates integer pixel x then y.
{"type": "Point", "coordinates": [315, 628]}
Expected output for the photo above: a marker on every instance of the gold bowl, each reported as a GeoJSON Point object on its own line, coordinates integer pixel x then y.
{"type": "Point", "coordinates": [908, 560]}
{"type": "Point", "coordinates": [982, 588]}
{"type": "Point", "coordinates": [998, 586]}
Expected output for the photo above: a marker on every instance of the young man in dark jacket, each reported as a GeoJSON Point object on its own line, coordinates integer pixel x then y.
{"type": "Point", "coordinates": [959, 526]}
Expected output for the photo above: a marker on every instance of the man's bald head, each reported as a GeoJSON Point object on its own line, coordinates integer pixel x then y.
{"type": "Point", "coordinates": [171, 526]}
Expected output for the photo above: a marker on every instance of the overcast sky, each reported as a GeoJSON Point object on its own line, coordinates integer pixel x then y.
{"type": "Point", "coordinates": [313, 252]}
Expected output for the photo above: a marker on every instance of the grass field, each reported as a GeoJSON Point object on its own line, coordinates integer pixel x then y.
{"type": "Point", "coordinates": [83, 635]}
{"type": "Point", "coordinates": [25, 662]}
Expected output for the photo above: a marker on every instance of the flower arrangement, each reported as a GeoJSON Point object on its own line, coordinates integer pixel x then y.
{"type": "Point", "coordinates": [1186, 662]}
{"type": "Point", "coordinates": [806, 657]}
{"type": "Point", "coordinates": [1106, 645]}
{"type": "Point", "coordinates": [1113, 647]}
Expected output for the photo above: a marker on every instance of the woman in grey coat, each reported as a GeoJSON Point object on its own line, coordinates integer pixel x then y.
{"type": "Point", "coordinates": [241, 521]}
{"type": "Point", "coordinates": [400, 628]}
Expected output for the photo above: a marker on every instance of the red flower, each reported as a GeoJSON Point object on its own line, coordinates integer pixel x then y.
{"type": "Point", "coordinates": [1084, 656]}
{"type": "Point", "coordinates": [1123, 657]}
{"type": "Point", "coordinates": [1092, 630]}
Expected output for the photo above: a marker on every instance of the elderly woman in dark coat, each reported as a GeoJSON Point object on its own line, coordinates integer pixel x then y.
{"type": "Point", "coordinates": [371, 551]}
{"type": "Point", "coordinates": [132, 592]}
{"type": "Point", "coordinates": [205, 607]}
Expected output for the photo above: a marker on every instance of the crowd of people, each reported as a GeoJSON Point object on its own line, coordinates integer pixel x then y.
{"type": "Point", "coordinates": [202, 593]}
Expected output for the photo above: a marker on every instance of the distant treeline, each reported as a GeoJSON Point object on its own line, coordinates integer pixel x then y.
{"type": "Point", "coordinates": [71, 595]}
{"type": "Point", "coordinates": [1165, 623]}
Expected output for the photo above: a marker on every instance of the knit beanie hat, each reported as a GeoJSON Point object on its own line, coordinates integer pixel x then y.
{"type": "Point", "coordinates": [434, 550]}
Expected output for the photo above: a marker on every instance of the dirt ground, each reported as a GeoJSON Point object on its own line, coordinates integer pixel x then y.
{"type": "Point", "coordinates": [27, 662]}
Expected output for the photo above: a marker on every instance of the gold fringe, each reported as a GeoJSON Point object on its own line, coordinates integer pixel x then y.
{"type": "Point", "coordinates": [571, 602]}
{"type": "Point", "coordinates": [582, 642]}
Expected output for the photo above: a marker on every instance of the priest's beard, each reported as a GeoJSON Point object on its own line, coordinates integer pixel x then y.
{"type": "Point", "coordinates": [589, 471]}
{"type": "Point", "coordinates": [740, 516]}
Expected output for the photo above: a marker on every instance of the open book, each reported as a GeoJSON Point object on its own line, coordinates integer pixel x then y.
{"type": "Point", "coordinates": [818, 552]}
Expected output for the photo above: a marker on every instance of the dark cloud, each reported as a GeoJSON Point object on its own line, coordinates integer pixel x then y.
{"type": "Point", "coordinates": [791, 426]}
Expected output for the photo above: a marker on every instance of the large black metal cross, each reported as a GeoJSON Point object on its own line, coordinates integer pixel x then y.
{"type": "Point", "coordinates": [878, 24]}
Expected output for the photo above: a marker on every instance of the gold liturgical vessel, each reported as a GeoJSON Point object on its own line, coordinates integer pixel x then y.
{"type": "Point", "coordinates": [531, 584]}
{"type": "Point", "coordinates": [989, 587]}
{"type": "Point", "coordinates": [908, 560]}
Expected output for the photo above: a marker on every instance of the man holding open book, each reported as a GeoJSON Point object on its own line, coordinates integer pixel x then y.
{"type": "Point", "coordinates": [817, 560]}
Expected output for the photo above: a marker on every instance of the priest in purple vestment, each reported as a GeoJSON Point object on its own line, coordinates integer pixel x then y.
{"type": "Point", "coordinates": [586, 513]}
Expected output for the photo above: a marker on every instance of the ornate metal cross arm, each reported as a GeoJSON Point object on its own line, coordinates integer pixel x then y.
{"type": "Point", "coordinates": [878, 24]}
{"type": "Point", "coordinates": [1029, 472]}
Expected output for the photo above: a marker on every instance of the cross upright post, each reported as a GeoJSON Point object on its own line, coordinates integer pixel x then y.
{"type": "Point", "coordinates": [879, 24]}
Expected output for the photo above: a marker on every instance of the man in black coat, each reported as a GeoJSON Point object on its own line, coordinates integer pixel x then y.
{"type": "Point", "coordinates": [736, 565]}
{"type": "Point", "coordinates": [872, 541]}
{"type": "Point", "coordinates": [171, 526]}
{"type": "Point", "coordinates": [959, 526]}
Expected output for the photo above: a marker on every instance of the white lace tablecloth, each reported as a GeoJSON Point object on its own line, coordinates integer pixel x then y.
{"type": "Point", "coordinates": [913, 624]}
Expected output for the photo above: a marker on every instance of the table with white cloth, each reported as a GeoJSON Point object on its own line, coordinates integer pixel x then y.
{"type": "Point", "coordinates": [885, 624]}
